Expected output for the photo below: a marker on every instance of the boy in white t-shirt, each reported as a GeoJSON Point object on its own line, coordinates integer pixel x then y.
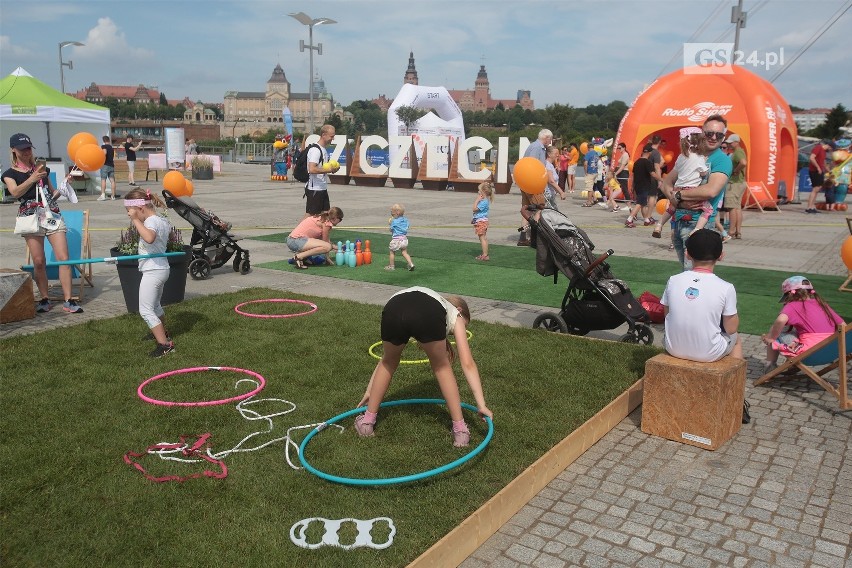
{"type": "Point", "coordinates": [701, 308]}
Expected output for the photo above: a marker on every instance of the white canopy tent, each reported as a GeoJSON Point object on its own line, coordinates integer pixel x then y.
{"type": "Point", "coordinates": [48, 117]}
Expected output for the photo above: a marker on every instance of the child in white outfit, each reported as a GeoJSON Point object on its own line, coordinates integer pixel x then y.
{"type": "Point", "coordinates": [691, 167]}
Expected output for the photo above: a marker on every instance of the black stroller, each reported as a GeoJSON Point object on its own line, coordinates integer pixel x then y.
{"type": "Point", "coordinates": [212, 244]}
{"type": "Point", "coordinates": [595, 299]}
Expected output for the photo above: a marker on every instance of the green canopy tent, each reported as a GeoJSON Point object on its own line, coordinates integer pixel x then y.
{"type": "Point", "coordinates": [49, 117]}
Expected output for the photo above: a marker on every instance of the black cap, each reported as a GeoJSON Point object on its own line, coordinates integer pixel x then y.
{"type": "Point", "coordinates": [20, 141]}
{"type": "Point", "coordinates": [647, 148]}
{"type": "Point", "coordinates": [830, 143]}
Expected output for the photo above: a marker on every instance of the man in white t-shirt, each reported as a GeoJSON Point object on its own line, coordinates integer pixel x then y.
{"type": "Point", "coordinates": [701, 308]}
{"type": "Point", "coordinates": [316, 190]}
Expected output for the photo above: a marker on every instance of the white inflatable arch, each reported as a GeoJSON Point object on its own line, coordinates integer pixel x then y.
{"type": "Point", "coordinates": [445, 121]}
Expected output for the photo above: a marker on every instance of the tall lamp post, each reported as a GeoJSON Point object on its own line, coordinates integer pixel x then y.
{"type": "Point", "coordinates": [303, 18]}
{"type": "Point", "coordinates": [69, 64]}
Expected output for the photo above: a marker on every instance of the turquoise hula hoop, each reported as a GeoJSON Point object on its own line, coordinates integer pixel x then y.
{"type": "Point", "coordinates": [392, 480]}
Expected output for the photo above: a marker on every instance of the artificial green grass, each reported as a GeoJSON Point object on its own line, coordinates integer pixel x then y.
{"type": "Point", "coordinates": [70, 412]}
{"type": "Point", "coordinates": [449, 266]}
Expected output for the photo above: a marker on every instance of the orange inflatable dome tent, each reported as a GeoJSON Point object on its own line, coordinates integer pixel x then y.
{"type": "Point", "coordinates": [753, 108]}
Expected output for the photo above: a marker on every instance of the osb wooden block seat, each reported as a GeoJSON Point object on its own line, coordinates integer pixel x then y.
{"type": "Point", "coordinates": [122, 172]}
{"type": "Point", "coordinates": [700, 404]}
{"type": "Point", "coordinates": [16, 296]}
{"type": "Point", "coordinates": [819, 361]}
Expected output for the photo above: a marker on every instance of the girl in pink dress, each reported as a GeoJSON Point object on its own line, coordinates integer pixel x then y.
{"type": "Point", "coordinates": [805, 320]}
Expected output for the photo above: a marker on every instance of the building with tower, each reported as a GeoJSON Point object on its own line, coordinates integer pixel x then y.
{"type": "Point", "coordinates": [249, 112]}
{"type": "Point", "coordinates": [476, 99]}
{"type": "Point", "coordinates": [410, 77]}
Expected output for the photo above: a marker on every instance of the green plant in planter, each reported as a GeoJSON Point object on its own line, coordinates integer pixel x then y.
{"type": "Point", "coordinates": [201, 163]}
{"type": "Point", "coordinates": [128, 243]}
{"type": "Point", "coordinates": [202, 167]}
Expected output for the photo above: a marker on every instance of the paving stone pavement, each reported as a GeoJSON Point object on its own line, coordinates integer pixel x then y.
{"type": "Point", "coordinates": [778, 494]}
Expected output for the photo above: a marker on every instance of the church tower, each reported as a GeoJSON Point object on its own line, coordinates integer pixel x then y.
{"type": "Point", "coordinates": [411, 72]}
{"type": "Point", "coordinates": [481, 90]}
{"type": "Point", "coordinates": [278, 83]}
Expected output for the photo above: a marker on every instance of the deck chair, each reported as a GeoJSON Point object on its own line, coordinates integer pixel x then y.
{"type": "Point", "coordinates": [79, 246]}
{"type": "Point", "coordinates": [818, 361]}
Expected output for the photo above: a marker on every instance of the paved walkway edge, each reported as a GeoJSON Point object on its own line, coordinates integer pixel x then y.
{"type": "Point", "coordinates": [463, 540]}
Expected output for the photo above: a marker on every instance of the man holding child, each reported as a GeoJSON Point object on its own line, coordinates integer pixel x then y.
{"type": "Point", "coordinates": [686, 203]}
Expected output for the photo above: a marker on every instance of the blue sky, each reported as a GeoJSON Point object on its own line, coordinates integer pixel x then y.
{"type": "Point", "coordinates": [576, 53]}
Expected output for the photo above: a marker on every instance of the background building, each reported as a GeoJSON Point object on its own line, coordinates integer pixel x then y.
{"type": "Point", "coordinates": [476, 99]}
{"type": "Point", "coordinates": [810, 118]}
{"type": "Point", "coordinates": [249, 112]}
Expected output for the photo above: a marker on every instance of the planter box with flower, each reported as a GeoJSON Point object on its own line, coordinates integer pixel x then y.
{"type": "Point", "coordinates": [130, 277]}
{"type": "Point", "coordinates": [202, 167]}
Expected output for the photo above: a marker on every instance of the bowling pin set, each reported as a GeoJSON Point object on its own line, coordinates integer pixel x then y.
{"type": "Point", "coordinates": [352, 254]}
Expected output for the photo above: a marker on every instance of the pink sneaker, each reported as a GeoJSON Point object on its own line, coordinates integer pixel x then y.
{"type": "Point", "coordinates": [364, 429]}
{"type": "Point", "coordinates": [461, 438]}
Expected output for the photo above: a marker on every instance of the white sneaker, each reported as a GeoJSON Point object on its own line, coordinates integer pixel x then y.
{"type": "Point", "coordinates": [102, 197]}
{"type": "Point", "coordinates": [625, 208]}
{"type": "Point", "coordinates": [604, 205]}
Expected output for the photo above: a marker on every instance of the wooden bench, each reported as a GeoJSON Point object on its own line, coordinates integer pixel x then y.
{"type": "Point", "coordinates": [700, 404]}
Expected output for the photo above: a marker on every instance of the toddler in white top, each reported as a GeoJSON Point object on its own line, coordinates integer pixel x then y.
{"type": "Point", "coordinates": [691, 167]}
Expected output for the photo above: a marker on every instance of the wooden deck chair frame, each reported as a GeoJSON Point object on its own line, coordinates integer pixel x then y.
{"type": "Point", "coordinates": [751, 200]}
{"type": "Point", "coordinates": [83, 272]}
{"type": "Point", "coordinates": [805, 366]}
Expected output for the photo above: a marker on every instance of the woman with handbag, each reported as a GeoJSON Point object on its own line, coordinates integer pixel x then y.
{"type": "Point", "coordinates": [38, 217]}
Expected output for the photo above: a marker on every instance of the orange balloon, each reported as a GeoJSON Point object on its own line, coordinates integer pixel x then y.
{"type": "Point", "coordinates": [662, 205]}
{"type": "Point", "coordinates": [89, 157]}
{"type": "Point", "coordinates": [842, 206]}
{"type": "Point", "coordinates": [584, 147]}
{"type": "Point", "coordinates": [846, 252]}
{"type": "Point", "coordinates": [668, 155]}
{"type": "Point", "coordinates": [530, 175]}
{"type": "Point", "coordinates": [78, 140]}
{"type": "Point", "coordinates": [175, 183]}
{"type": "Point", "coordinates": [190, 189]}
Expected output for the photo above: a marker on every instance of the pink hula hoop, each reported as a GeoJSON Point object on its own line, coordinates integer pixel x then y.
{"type": "Point", "coordinates": [242, 313]}
{"type": "Point", "coordinates": [237, 398]}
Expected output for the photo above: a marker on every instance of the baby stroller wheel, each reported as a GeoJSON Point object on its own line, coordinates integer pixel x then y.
{"type": "Point", "coordinates": [641, 334]}
{"type": "Point", "coordinates": [245, 266]}
{"type": "Point", "coordinates": [550, 322]}
{"type": "Point", "coordinates": [199, 269]}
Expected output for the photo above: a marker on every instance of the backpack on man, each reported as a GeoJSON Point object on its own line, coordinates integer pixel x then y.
{"type": "Point", "coordinates": [300, 169]}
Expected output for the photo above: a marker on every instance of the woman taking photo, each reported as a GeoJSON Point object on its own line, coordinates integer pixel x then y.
{"type": "Point", "coordinates": [30, 184]}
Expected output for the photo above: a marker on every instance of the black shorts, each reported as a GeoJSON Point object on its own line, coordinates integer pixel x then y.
{"type": "Point", "coordinates": [817, 179]}
{"type": "Point", "coordinates": [317, 201]}
{"type": "Point", "coordinates": [641, 197]}
{"type": "Point", "coordinates": [413, 314]}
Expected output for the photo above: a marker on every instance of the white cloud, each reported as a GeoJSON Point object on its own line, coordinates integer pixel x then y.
{"type": "Point", "coordinates": [11, 50]}
{"type": "Point", "coordinates": [107, 43]}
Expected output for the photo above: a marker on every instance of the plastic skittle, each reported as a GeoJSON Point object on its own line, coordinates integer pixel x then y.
{"type": "Point", "coordinates": [368, 254]}
{"type": "Point", "coordinates": [338, 258]}
{"type": "Point", "coordinates": [359, 256]}
{"type": "Point", "coordinates": [351, 257]}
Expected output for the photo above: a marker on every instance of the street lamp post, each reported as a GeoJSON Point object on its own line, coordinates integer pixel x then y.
{"type": "Point", "coordinates": [69, 64]}
{"type": "Point", "coordinates": [304, 19]}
